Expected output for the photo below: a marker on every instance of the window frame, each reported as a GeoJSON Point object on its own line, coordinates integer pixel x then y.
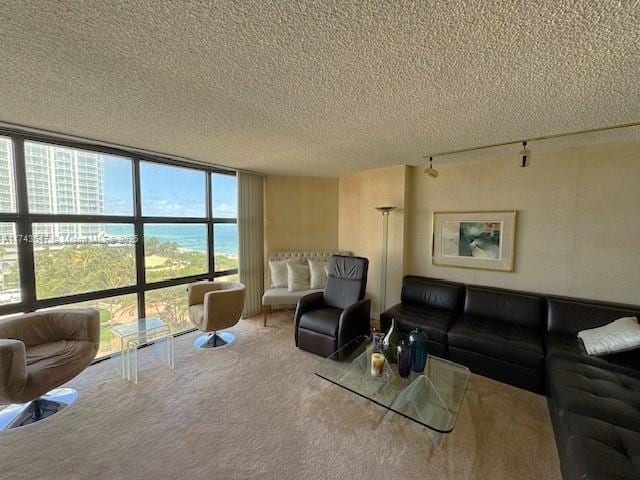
{"type": "Point", "coordinates": [24, 225]}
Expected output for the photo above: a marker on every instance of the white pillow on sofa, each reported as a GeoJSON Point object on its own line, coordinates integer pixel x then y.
{"type": "Point", "coordinates": [278, 269]}
{"type": "Point", "coordinates": [297, 276]}
{"type": "Point", "coordinates": [618, 336]}
{"type": "Point", "coordinates": [318, 272]}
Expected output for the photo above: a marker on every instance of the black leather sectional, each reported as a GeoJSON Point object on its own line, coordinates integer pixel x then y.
{"type": "Point", "coordinates": [530, 340]}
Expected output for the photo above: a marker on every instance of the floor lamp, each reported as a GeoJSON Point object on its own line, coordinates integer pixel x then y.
{"type": "Point", "coordinates": [383, 264]}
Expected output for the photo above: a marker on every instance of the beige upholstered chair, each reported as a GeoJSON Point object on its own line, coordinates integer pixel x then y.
{"type": "Point", "coordinates": [214, 306]}
{"type": "Point", "coordinates": [39, 352]}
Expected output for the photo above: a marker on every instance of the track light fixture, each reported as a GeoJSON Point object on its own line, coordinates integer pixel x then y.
{"type": "Point", "coordinates": [525, 155]}
{"type": "Point", "coordinates": [432, 172]}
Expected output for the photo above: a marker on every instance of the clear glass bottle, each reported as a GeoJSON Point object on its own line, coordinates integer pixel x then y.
{"type": "Point", "coordinates": [390, 343]}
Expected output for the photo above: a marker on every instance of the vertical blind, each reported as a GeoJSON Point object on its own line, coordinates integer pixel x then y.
{"type": "Point", "coordinates": [250, 239]}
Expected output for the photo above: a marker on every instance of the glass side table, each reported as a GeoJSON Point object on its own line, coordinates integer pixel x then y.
{"type": "Point", "coordinates": [126, 339]}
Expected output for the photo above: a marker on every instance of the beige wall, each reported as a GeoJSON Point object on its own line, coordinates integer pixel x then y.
{"type": "Point", "coordinates": [360, 229]}
{"type": "Point", "coordinates": [578, 231]}
{"type": "Point", "coordinates": [300, 213]}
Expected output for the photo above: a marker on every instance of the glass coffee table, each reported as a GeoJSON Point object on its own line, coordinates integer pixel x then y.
{"type": "Point", "coordinates": [125, 340]}
{"type": "Point", "coordinates": [432, 399]}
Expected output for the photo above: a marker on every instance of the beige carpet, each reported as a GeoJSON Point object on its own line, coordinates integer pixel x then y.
{"type": "Point", "coordinates": [254, 409]}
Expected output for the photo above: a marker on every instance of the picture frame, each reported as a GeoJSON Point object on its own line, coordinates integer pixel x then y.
{"type": "Point", "coordinates": [475, 239]}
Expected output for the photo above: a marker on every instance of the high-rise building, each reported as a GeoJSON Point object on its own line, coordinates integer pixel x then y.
{"type": "Point", "coordinates": [7, 187]}
{"type": "Point", "coordinates": [7, 182]}
{"type": "Point", "coordinates": [59, 181]}
{"type": "Point", "coordinates": [64, 181]}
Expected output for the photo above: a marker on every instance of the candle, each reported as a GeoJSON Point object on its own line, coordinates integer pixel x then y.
{"type": "Point", "coordinates": [377, 364]}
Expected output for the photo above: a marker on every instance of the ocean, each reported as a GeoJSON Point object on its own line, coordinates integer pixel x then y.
{"type": "Point", "coordinates": [188, 236]}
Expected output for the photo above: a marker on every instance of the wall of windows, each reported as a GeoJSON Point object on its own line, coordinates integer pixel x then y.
{"type": "Point", "coordinates": [87, 226]}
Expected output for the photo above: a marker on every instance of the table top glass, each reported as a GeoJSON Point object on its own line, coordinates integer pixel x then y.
{"type": "Point", "coordinates": [432, 399]}
{"type": "Point", "coordinates": [142, 326]}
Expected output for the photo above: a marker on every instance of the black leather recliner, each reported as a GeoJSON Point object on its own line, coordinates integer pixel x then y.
{"type": "Point", "coordinates": [327, 321]}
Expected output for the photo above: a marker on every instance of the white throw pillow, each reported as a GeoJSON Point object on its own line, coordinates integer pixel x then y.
{"type": "Point", "coordinates": [318, 271]}
{"type": "Point", "coordinates": [278, 269]}
{"type": "Point", "coordinates": [618, 336]}
{"type": "Point", "coordinates": [298, 276]}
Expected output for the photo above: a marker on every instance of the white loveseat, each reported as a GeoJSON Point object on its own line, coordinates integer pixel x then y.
{"type": "Point", "coordinates": [282, 297]}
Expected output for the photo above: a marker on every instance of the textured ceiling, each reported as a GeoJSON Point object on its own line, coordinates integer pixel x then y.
{"type": "Point", "coordinates": [321, 87]}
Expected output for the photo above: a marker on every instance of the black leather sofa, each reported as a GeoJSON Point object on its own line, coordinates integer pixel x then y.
{"type": "Point", "coordinates": [499, 335]}
{"type": "Point", "coordinates": [530, 340]}
{"type": "Point", "coordinates": [431, 305]}
{"type": "Point", "coordinates": [594, 401]}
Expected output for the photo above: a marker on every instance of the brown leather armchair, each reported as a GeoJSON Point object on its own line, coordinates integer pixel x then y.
{"type": "Point", "coordinates": [39, 352]}
{"type": "Point", "coordinates": [327, 321]}
{"type": "Point", "coordinates": [214, 306]}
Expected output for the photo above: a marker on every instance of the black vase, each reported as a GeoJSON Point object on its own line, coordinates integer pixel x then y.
{"type": "Point", "coordinates": [419, 350]}
{"type": "Point", "coordinates": [404, 359]}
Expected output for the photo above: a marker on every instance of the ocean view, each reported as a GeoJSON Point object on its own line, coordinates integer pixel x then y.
{"type": "Point", "coordinates": [187, 236]}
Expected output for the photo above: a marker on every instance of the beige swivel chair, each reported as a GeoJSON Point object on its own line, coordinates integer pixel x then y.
{"type": "Point", "coordinates": [214, 306]}
{"type": "Point", "coordinates": [39, 352]}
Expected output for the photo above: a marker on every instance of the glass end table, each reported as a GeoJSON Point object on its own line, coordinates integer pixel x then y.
{"type": "Point", "coordinates": [432, 398]}
{"type": "Point", "coordinates": [126, 338]}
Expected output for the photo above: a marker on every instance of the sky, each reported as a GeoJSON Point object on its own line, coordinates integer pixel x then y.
{"type": "Point", "coordinates": [166, 190]}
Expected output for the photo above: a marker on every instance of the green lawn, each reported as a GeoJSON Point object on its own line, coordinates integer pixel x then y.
{"type": "Point", "coordinates": [154, 261]}
{"type": "Point", "coordinates": [105, 339]}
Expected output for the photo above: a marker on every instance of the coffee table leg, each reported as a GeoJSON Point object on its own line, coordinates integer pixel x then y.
{"type": "Point", "coordinates": [132, 362]}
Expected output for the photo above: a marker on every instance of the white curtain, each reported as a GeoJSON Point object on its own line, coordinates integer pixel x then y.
{"type": "Point", "coordinates": [251, 240]}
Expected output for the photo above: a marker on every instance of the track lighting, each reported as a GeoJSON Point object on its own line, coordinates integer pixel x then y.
{"type": "Point", "coordinates": [432, 172]}
{"type": "Point", "coordinates": [525, 155]}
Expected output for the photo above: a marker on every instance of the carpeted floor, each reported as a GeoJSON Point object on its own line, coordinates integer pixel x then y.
{"type": "Point", "coordinates": [255, 409]}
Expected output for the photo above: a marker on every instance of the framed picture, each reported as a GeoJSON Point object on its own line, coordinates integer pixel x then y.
{"type": "Point", "coordinates": [484, 240]}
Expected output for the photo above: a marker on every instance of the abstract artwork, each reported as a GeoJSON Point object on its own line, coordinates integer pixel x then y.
{"type": "Point", "coordinates": [483, 240]}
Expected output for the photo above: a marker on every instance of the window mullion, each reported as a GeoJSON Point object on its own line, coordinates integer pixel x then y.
{"type": "Point", "coordinates": [24, 230]}
{"type": "Point", "coordinates": [210, 240]}
{"type": "Point", "coordinates": [138, 227]}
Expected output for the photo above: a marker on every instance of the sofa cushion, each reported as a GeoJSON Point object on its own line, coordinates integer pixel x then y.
{"type": "Point", "coordinates": [598, 449]}
{"type": "Point", "coordinates": [435, 323]}
{"type": "Point", "coordinates": [298, 277]}
{"type": "Point", "coordinates": [621, 335]}
{"type": "Point", "coordinates": [505, 306]}
{"type": "Point", "coordinates": [569, 316]}
{"type": "Point", "coordinates": [278, 270]}
{"type": "Point", "coordinates": [570, 347]}
{"type": "Point", "coordinates": [432, 293]}
{"type": "Point", "coordinates": [323, 320]}
{"type": "Point", "coordinates": [505, 341]}
{"type": "Point", "coordinates": [505, 371]}
{"type": "Point", "coordinates": [282, 296]}
{"type": "Point", "coordinates": [318, 271]}
{"type": "Point", "coordinates": [52, 364]}
{"type": "Point", "coordinates": [595, 392]}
